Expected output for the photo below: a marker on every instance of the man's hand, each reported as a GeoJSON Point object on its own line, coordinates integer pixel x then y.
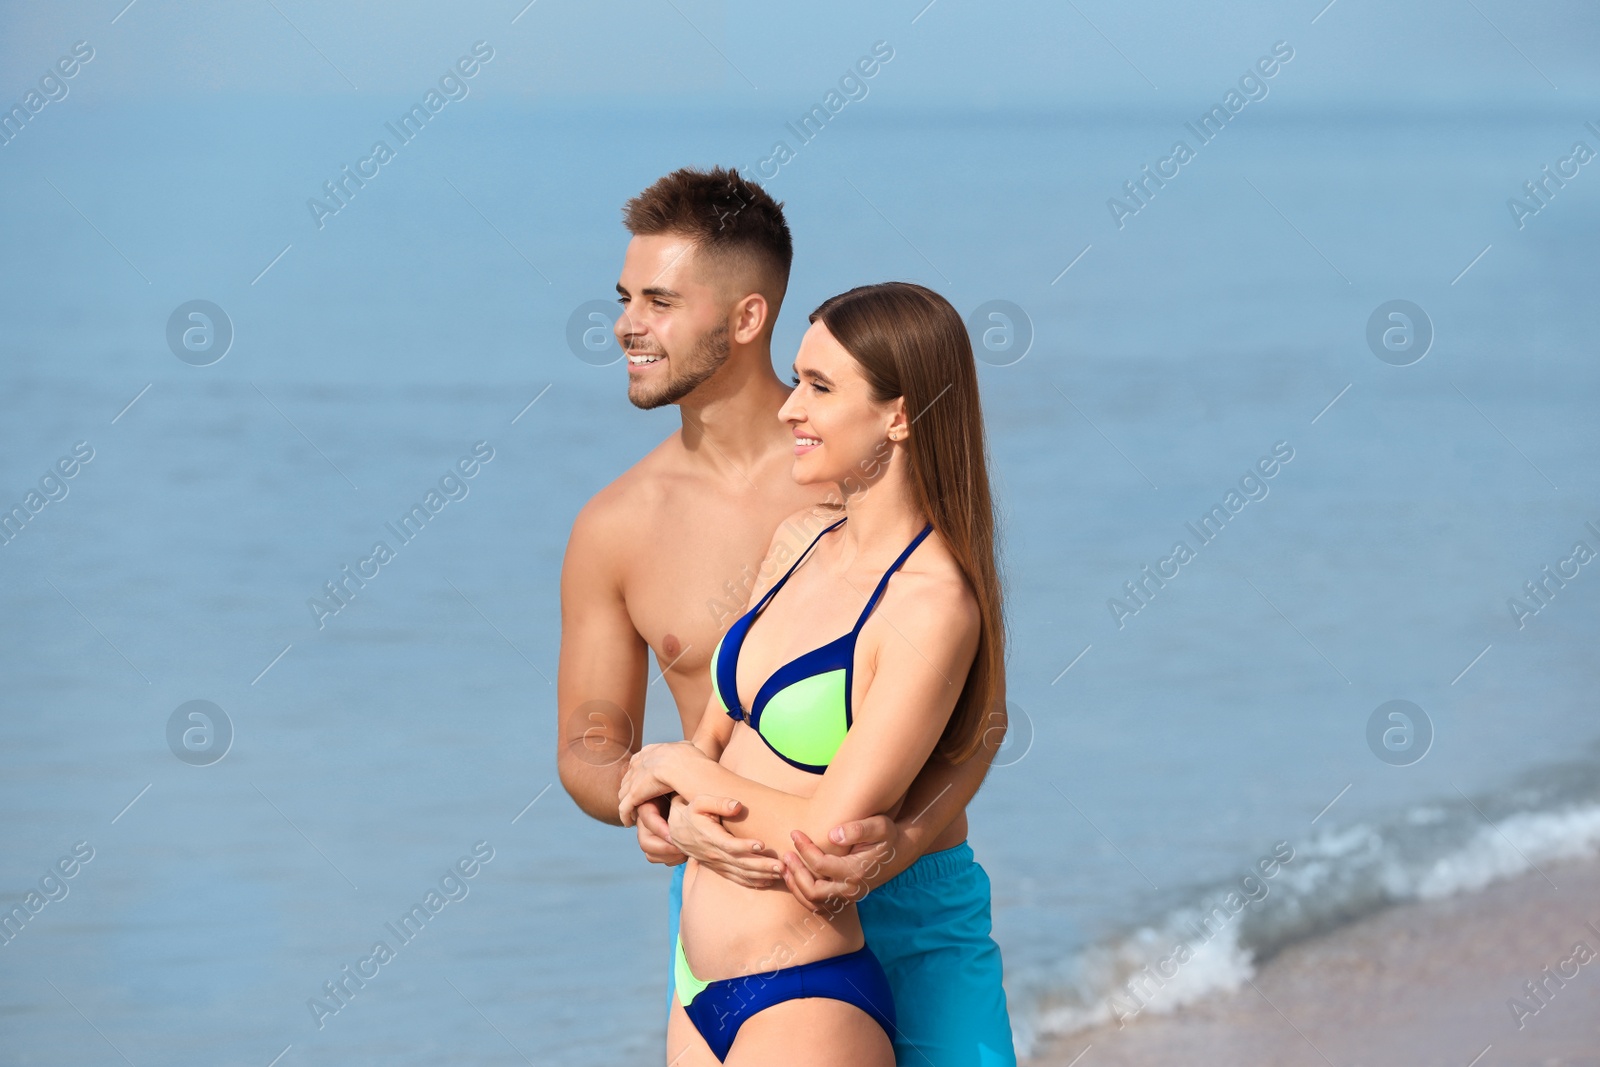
{"type": "Point", "coordinates": [822, 882]}
{"type": "Point", "coordinates": [696, 827]}
{"type": "Point", "coordinates": [654, 838]}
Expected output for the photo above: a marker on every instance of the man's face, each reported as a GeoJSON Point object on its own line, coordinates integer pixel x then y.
{"type": "Point", "coordinates": [674, 322]}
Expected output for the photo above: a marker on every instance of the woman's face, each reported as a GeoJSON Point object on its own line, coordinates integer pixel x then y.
{"type": "Point", "coordinates": [840, 433]}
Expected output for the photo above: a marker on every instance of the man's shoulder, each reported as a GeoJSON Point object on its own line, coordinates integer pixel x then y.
{"type": "Point", "coordinates": [633, 494]}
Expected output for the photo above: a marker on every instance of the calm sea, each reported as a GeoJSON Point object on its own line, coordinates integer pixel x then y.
{"type": "Point", "coordinates": [1160, 750]}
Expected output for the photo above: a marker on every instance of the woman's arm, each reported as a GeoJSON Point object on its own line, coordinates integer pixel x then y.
{"type": "Point", "coordinates": [648, 776]}
{"type": "Point", "coordinates": [715, 728]}
{"type": "Point", "coordinates": [940, 793]}
{"type": "Point", "coordinates": [878, 848]}
{"type": "Point", "coordinates": [920, 668]}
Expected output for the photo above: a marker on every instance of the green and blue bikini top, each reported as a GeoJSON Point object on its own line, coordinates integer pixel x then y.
{"type": "Point", "coordinates": [803, 710]}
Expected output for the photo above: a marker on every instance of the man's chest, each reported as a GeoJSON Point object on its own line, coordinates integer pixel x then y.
{"type": "Point", "coordinates": [689, 581]}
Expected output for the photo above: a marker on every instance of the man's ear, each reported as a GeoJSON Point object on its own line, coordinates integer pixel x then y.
{"type": "Point", "coordinates": [751, 314]}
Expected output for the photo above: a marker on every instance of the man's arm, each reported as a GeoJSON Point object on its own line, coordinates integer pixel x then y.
{"type": "Point", "coordinates": [601, 676]}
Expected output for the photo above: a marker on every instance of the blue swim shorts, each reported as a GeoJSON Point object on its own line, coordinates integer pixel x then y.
{"type": "Point", "coordinates": [929, 926]}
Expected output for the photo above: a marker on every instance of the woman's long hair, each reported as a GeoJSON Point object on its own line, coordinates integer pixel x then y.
{"type": "Point", "coordinates": [911, 343]}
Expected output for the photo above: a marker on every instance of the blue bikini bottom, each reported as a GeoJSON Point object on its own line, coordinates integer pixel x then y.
{"type": "Point", "coordinates": [718, 1008]}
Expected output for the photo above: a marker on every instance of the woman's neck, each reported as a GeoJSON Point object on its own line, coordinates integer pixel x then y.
{"type": "Point", "coordinates": [882, 518]}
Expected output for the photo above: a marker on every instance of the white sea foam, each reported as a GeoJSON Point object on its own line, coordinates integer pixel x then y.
{"type": "Point", "coordinates": [1429, 852]}
{"type": "Point", "coordinates": [1511, 847]}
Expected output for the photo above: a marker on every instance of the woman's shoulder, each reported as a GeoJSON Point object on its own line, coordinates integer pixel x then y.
{"type": "Point", "coordinates": [931, 582]}
{"type": "Point", "coordinates": [789, 539]}
{"type": "Point", "coordinates": [813, 517]}
{"type": "Point", "coordinates": [929, 615]}
{"type": "Point", "coordinates": [796, 532]}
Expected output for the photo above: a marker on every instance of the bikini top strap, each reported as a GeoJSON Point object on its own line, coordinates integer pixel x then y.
{"type": "Point", "coordinates": [779, 583]}
{"type": "Point", "coordinates": [883, 583]}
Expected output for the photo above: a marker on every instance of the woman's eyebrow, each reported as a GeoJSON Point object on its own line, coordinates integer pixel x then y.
{"type": "Point", "coordinates": [823, 378]}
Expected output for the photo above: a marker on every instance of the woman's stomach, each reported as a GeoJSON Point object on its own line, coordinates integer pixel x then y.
{"type": "Point", "coordinates": [730, 930]}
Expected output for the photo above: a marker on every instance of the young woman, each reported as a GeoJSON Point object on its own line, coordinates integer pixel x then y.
{"type": "Point", "coordinates": [810, 732]}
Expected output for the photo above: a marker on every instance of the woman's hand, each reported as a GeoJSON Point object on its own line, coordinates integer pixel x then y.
{"type": "Point", "coordinates": [649, 775]}
{"type": "Point", "coordinates": [696, 828]}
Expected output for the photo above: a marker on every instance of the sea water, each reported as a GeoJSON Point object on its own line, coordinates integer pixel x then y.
{"type": "Point", "coordinates": [1170, 736]}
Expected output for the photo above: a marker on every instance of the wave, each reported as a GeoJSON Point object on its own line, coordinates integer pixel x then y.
{"type": "Point", "coordinates": [1212, 941]}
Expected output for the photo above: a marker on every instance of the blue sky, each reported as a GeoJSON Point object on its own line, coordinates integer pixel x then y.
{"type": "Point", "coordinates": [953, 53]}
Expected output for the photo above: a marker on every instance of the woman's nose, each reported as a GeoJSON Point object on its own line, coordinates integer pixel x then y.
{"type": "Point", "coordinates": [790, 412]}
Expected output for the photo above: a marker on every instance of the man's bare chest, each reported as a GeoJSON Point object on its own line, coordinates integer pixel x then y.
{"type": "Point", "coordinates": [689, 581]}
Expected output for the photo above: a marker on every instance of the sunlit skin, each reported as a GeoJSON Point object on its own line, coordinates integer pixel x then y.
{"type": "Point", "coordinates": [657, 563]}
{"type": "Point", "coordinates": [832, 404]}
{"type": "Point", "coordinates": [677, 306]}
{"type": "Point", "coordinates": [923, 636]}
{"type": "Point", "coordinates": [663, 558]}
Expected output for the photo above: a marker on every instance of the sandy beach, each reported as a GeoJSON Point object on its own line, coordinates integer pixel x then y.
{"type": "Point", "coordinates": [1418, 984]}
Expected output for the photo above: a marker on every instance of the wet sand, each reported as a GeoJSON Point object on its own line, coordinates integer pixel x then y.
{"type": "Point", "coordinates": [1413, 986]}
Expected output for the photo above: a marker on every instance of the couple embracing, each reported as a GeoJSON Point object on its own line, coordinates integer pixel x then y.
{"type": "Point", "coordinates": [825, 906]}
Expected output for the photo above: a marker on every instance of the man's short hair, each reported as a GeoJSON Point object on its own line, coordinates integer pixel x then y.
{"type": "Point", "coordinates": [722, 214]}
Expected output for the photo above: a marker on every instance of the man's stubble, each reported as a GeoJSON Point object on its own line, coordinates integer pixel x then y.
{"type": "Point", "coordinates": [710, 353]}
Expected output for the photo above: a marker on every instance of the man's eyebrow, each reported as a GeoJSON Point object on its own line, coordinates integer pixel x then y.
{"type": "Point", "coordinates": [653, 290]}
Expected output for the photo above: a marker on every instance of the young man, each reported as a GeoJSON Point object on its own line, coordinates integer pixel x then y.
{"type": "Point", "coordinates": [664, 558]}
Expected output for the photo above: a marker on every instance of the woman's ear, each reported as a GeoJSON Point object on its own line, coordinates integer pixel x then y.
{"type": "Point", "coordinates": [899, 425]}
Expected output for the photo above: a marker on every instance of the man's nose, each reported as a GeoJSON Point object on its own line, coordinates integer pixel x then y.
{"type": "Point", "coordinates": [625, 329]}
